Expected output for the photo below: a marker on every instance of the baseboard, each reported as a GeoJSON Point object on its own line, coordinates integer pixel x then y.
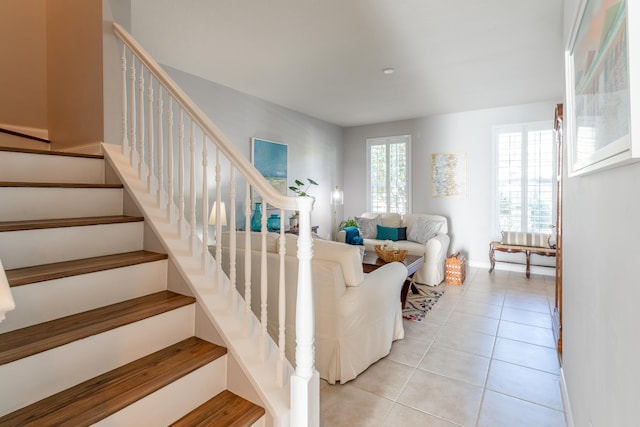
{"type": "Point", "coordinates": [37, 132]}
{"type": "Point", "coordinates": [519, 268]}
{"type": "Point", "coordinates": [565, 399]}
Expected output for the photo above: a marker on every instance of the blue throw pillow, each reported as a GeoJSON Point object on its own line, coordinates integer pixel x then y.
{"type": "Point", "coordinates": [391, 233]}
{"type": "Point", "coordinates": [352, 236]}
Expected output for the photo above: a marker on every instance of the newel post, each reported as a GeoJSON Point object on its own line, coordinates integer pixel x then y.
{"type": "Point", "coordinates": [305, 382]}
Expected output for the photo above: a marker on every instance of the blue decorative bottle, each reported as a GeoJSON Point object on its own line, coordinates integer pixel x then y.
{"type": "Point", "coordinates": [256, 219]}
{"type": "Point", "coordinates": [273, 223]}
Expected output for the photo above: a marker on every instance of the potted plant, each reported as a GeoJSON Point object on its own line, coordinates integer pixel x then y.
{"type": "Point", "coordinates": [300, 188]}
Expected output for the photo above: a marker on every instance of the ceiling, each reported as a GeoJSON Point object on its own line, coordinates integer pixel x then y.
{"type": "Point", "coordinates": [325, 58]}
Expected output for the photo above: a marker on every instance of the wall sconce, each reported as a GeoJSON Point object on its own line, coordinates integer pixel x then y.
{"type": "Point", "coordinates": [337, 198]}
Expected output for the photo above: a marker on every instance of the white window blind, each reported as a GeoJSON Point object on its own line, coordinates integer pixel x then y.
{"type": "Point", "coordinates": [525, 184]}
{"type": "Point", "coordinates": [388, 174]}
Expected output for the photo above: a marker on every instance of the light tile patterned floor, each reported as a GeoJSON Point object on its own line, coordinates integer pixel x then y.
{"type": "Point", "coordinates": [484, 357]}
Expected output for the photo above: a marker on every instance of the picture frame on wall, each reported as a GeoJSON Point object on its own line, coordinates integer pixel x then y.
{"type": "Point", "coordinates": [599, 79]}
{"type": "Point", "coordinates": [449, 174]}
{"type": "Point", "coordinates": [271, 159]}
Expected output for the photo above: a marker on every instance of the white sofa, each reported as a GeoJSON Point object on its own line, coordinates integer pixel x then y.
{"type": "Point", "coordinates": [434, 250]}
{"type": "Point", "coordinates": [357, 315]}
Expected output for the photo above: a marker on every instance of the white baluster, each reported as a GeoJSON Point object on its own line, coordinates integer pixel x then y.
{"type": "Point", "coordinates": [160, 177]}
{"type": "Point", "coordinates": [218, 222]}
{"type": "Point", "coordinates": [305, 399]}
{"type": "Point", "coordinates": [205, 206]}
{"type": "Point", "coordinates": [233, 295]}
{"type": "Point", "coordinates": [192, 189]}
{"type": "Point", "coordinates": [132, 111]}
{"type": "Point", "coordinates": [150, 139]}
{"type": "Point", "coordinates": [170, 216]}
{"type": "Point", "coordinates": [181, 217]}
{"type": "Point", "coordinates": [141, 118]}
{"type": "Point", "coordinates": [123, 67]}
{"type": "Point", "coordinates": [247, 254]}
{"type": "Point", "coordinates": [282, 309]}
{"type": "Point", "coordinates": [264, 284]}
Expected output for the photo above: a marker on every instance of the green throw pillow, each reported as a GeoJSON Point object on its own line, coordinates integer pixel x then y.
{"type": "Point", "coordinates": [391, 233]}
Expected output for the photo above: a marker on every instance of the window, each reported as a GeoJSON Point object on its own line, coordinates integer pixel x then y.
{"type": "Point", "coordinates": [526, 177]}
{"type": "Point", "coordinates": [388, 174]}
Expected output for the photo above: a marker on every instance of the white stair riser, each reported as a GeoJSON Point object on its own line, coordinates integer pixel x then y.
{"type": "Point", "coordinates": [34, 247]}
{"type": "Point", "coordinates": [52, 299]}
{"type": "Point", "coordinates": [33, 378]}
{"type": "Point", "coordinates": [27, 203]}
{"type": "Point", "coordinates": [28, 167]}
{"type": "Point", "coordinates": [172, 402]}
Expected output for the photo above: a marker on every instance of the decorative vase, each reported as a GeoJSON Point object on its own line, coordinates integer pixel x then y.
{"type": "Point", "coordinates": [256, 219]}
{"type": "Point", "coordinates": [293, 222]}
{"type": "Point", "coordinates": [273, 223]}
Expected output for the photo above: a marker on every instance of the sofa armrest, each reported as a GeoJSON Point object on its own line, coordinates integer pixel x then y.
{"type": "Point", "coordinates": [436, 248]}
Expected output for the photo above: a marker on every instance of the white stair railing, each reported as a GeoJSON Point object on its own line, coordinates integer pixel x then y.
{"type": "Point", "coordinates": [6, 298]}
{"type": "Point", "coordinates": [177, 176]}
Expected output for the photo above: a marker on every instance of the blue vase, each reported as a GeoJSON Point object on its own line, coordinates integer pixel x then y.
{"type": "Point", "coordinates": [273, 223]}
{"type": "Point", "coordinates": [256, 219]}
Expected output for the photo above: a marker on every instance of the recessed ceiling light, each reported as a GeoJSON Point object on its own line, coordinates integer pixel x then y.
{"type": "Point", "coordinates": [388, 71]}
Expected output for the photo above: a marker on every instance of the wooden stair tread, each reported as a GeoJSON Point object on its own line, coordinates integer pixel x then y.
{"type": "Point", "coordinates": [36, 224]}
{"type": "Point", "coordinates": [40, 273]}
{"type": "Point", "coordinates": [99, 397]}
{"type": "Point", "coordinates": [223, 410]}
{"type": "Point", "coordinates": [25, 184]}
{"type": "Point", "coordinates": [51, 153]}
{"type": "Point", "coordinates": [34, 339]}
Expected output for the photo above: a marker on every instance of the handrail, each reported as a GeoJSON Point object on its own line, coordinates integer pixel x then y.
{"type": "Point", "coordinates": [6, 298]}
{"type": "Point", "coordinates": [244, 166]}
{"type": "Point", "coordinates": [24, 135]}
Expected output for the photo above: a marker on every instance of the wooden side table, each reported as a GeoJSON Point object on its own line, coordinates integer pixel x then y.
{"type": "Point", "coordinates": [371, 262]}
{"type": "Point", "coordinates": [296, 230]}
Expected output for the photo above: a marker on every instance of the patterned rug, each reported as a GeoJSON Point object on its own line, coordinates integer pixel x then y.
{"type": "Point", "coordinates": [418, 305]}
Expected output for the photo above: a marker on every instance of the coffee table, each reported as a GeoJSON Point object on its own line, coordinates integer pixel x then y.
{"type": "Point", "coordinates": [371, 262]}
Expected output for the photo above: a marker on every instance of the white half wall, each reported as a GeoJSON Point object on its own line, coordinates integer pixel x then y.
{"type": "Point", "coordinates": [469, 217]}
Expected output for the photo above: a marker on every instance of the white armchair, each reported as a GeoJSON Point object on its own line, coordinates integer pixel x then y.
{"type": "Point", "coordinates": [357, 315]}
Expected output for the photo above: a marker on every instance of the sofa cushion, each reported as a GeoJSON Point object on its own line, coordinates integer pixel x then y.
{"type": "Point", "coordinates": [386, 219]}
{"type": "Point", "coordinates": [348, 256]}
{"type": "Point", "coordinates": [539, 240]}
{"type": "Point", "coordinates": [410, 219]}
{"type": "Point", "coordinates": [391, 233]}
{"type": "Point", "coordinates": [424, 229]}
{"type": "Point", "coordinates": [368, 226]}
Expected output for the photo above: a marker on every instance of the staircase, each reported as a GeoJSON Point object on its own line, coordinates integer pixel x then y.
{"type": "Point", "coordinates": [100, 333]}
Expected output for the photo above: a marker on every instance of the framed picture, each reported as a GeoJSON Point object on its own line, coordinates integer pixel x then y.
{"type": "Point", "coordinates": [598, 80]}
{"type": "Point", "coordinates": [449, 175]}
{"type": "Point", "coordinates": [271, 159]}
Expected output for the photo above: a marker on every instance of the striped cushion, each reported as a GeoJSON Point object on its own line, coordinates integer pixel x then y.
{"type": "Point", "coordinates": [538, 240]}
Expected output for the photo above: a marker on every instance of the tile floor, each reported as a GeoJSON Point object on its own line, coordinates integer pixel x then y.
{"type": "Point", "coordinates": [483, 357]}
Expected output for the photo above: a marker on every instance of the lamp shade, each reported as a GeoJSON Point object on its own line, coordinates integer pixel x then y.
{"type": "Point", "coordinates": [223, 214]}
{"type": "Point", "coordinates": [337, 197]}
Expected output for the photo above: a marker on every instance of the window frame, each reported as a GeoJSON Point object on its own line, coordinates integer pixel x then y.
{"type": "Point", "coordinates": [523, 129]}
{"type": "Point", "coordinates": [388, 140]}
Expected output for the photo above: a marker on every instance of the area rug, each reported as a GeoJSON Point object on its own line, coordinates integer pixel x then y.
{"type": "Point", "coordinates": [418, 305]}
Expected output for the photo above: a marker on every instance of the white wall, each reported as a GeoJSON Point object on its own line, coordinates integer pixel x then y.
{"type": "Point", "coordinates": [315, 147]}
{"type": "Point", "coordinates": [470, 220]}
{"type": "Point", "coordinates": [601, 348]}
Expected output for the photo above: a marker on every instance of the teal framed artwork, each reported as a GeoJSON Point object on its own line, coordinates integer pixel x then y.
{"type": "Point", "coordinates": [271, 159]}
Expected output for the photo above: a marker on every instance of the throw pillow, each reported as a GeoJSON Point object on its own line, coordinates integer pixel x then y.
{"type": "Point", "coordinates": [352, 236]}
{"type": "Point", "coordinates": [424, 229]}
{"type": "Point", "coordinates": [391, 233]}
{"type": "Point", "coordinates": [368, 226]}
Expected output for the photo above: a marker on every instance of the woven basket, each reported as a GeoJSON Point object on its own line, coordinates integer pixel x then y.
{"type": "Point", "coordinates": [390, 256]}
